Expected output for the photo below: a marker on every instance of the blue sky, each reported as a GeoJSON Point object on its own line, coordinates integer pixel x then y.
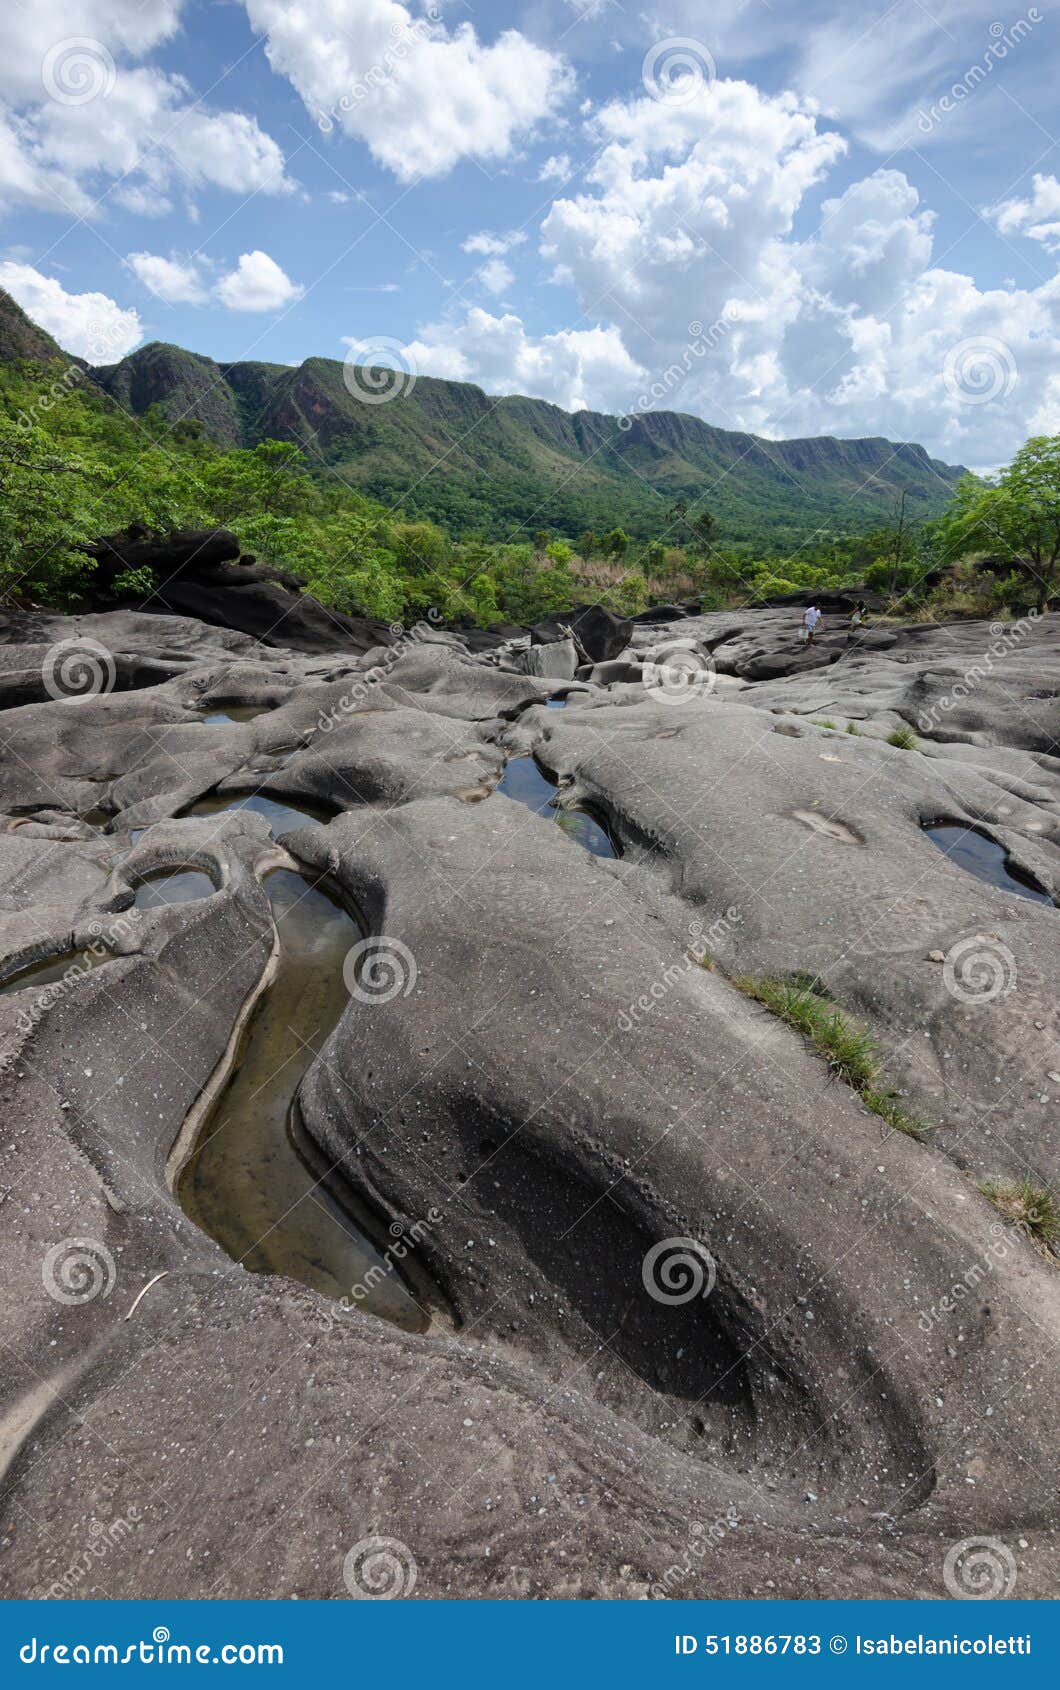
{"type": "Point", "coordinates": [792, 219]}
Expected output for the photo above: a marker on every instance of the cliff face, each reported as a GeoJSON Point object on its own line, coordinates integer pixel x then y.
{"type": "Point", "coordinates": [447, 450]}
{"type": "Point", "coordinates": [182, 384]}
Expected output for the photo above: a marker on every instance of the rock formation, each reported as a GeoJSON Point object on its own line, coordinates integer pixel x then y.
{"type": "Point", "coordinates": [697, 1318]}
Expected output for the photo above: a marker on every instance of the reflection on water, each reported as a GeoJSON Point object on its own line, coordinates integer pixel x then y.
{"type": "Point", "coordinates": [527, 783]}
{"type": "Point", "coordinates": [245, 1183]}
{"type": "Point", "coordinates": [281, 817]}
{"type": "Point", "coordinates": [985, 859]}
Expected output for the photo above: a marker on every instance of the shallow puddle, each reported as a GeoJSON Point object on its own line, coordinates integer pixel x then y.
{"type": "Point", "coordinates": [245, 1183]}
{"type": "Point", "coordinates": [281, 816]}
{"type": "Point", "coordinates": [526, 782]}
{"type": "Point", "coordinates": [236, 713]}
{"type": "Point", "coordinates": [984, 858]}
{"type": "Point", "coordinates": [173, 886]}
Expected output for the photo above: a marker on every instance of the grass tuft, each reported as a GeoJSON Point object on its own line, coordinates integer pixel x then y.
{"type": "Point", "coordinates": [822, 722]}
{"type": "Point", "coordinates": [852, 728]}
{"type": "Point", "coordinates": [1032, 1208]}
{"type": "Point", "coordinates": [904, 738]}
{"type": "Point", "coordinates": [849, 1050]}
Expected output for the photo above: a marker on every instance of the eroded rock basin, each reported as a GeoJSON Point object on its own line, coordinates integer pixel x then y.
{"type": "Point", "coordinates": [979, 855]}
{"type": "Point", "coordinates": [525, 781]}
{"type": "Point", "coordinates": [245, 1184]}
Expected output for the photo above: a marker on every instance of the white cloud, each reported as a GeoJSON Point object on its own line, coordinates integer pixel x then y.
{"type": "Point", "coordinates": [90, 325]}
{"type": "Point", "coordinates": [257, 284]}
{"type": "Point", "coordinates": [575, 368]}
{"type": "Point", "coordinates": [80, 116]}
{"type": "Point", "coordinates": [420, 95]}
{"type": "Point", "coordinates": [491, 244]}
{"type": "Point", "coordinates": [495, 275]}
{"type": "Point", "coordinates": [1038, 218]}
{"type": "Point", "coordinates": [176, 281]}
{"type": "Point", "coordinates": [685, 226]}
{"type": "Point", "coordinates": [557, 168]}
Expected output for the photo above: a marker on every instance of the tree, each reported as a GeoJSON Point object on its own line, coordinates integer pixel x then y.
{"type": "Point", "coordinates": [1017, 511]}
{"type": "Point", "coordinates": [616, 543]}
{"type": "Point", "coordinates": [587, 544]}
{"type": "Point", "coordinates": [703, 527]}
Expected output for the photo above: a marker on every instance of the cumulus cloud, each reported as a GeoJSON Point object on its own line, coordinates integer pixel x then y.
{"type": "Point", "coordinates": [257, 284]}
{"type": "Point", "coordinates": [176, 281]}
{"type": "Point", "coordinates": [487, 242]}
{"type": "Point", "coordinates": [78, 115]}
{"type": "Point", "coordinates": [575, 368]}
{"type": "Point", "coordinates": [1037, 217]}
{"type": "Point", "coordinates": [556, 168]}
{"type": "Point", "coordinates": [90, 325]}
{"type": "Point", "coordinates": [420, 95]}
{"type": "Point", "coordinates": [495, 275]}
{"type": "Point", "coordinates": [685, 226]}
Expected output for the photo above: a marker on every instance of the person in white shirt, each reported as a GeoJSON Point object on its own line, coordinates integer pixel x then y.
{"type": "Point", "coordinates": [811, 618]}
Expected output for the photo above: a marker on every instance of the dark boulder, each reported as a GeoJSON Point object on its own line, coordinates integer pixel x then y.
{"type": "Point", "coordinates": [601, 635]}
{"type": "Point", "coordinates": [186, 549]}
{"type": "Point", "coordinates": [199, 572]}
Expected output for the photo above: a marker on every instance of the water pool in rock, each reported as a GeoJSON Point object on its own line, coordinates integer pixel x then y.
{"type": "Point", "coordinates": [245, 1183]}
{"type": "Point", "coordinates": [235, 713]}
{"type": "Point", "coordinates": [526, 782]}
{"type": "Point", "coordinates": [983, 857]}
{"type": "Point", "coordinates": [173, 886]}
{"type": "Point", "coordinates": [281, 816]}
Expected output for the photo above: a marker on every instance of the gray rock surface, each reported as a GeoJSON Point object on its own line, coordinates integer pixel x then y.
{"type": "Point", "coordinates": [700, 1323]}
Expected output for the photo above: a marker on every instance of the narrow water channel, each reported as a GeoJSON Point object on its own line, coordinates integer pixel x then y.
{"type": "Point", "coordinates": [526, 782]}
{"type": "Point", "coordinates": [245, 1183]}
{"type": "Point", "coordinates": [979, 855]}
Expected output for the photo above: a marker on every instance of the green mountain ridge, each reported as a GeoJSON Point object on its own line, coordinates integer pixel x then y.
{"type": "Point", "coordinates": [506, 467]}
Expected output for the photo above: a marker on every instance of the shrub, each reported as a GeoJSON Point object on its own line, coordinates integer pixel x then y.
{"type": "Point", "coordinates": [904, 738]}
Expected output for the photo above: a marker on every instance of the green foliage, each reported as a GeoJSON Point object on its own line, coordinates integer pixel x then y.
{"type": "Point", "coordinates": [849, 1050]}
{"type": "Point", "coordinates": [1016, 513]}
{"type": "Point", "coordinates": [1032, 1208]}
{"type": "Point", "coordinates": [903, 738]}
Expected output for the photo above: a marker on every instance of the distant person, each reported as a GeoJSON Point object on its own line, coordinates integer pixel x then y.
{"type": "Point", "coordinates": [857, 621]}
{"type": "Point", "coordinates": [811, 619]}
